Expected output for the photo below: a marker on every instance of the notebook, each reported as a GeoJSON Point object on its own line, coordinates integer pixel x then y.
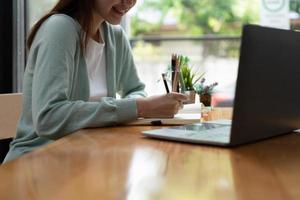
{"type": "Point", "coordinates": [190, 114]}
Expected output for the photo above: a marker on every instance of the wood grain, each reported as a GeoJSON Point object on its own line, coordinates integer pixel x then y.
{"type": "Point", "coordinates": [10, 109]}
{"type": "Point", "coordinates": [119, 163]}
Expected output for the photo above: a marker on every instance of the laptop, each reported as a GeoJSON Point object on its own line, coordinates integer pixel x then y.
{"type": "Point", "coordinates": [267, 95]}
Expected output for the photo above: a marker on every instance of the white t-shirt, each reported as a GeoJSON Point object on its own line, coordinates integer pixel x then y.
{"type": "Point", "coordinates": [96, 67]}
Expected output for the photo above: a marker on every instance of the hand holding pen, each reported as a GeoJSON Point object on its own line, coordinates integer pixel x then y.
{"type": "Point", "coordinates": [161, 106]}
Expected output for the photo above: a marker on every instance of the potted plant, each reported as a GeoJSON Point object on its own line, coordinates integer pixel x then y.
{"type": "Point", "coordinates": [205, 91]}
{"type": "Point", "coordinates": [189, 78]}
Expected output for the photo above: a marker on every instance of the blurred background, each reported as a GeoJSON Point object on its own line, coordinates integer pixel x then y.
{"type": "Point", "coordinates": [207, 31]}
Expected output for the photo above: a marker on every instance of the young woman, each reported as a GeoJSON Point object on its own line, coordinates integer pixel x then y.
{"type": "Point", "coordinates": [77, 63]}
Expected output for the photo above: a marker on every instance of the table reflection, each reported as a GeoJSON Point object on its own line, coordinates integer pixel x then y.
{"type": "Point", "coordinates": [146, 174]}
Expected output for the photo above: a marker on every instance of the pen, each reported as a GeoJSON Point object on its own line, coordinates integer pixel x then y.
{"type": "Point", "coordinates": [173, 68]}
{"type": "Point", "coordinates": [182, 84]}
{"type": "Point", "coordinates": [165, 82]}
{"type": "Point", "coordinates": [175, 86]}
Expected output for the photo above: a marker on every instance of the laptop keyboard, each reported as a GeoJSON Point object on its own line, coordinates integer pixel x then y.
{"type": "Point", "coordinates": [198, 127]}
{"type": "Point", "coordinates": [207, 132]}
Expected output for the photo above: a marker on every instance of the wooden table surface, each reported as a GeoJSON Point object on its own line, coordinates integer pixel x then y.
{"type": "Point", "coordinates": [119, 163]}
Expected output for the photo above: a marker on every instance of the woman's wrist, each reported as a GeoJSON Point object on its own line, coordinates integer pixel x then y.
{"type": "Point", "coordinates": [141, 104]}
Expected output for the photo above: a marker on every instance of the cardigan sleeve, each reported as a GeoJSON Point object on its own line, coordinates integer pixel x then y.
{"type": "Point", "coordinates": [130, 85]}
{"type": "Point", "coordinates": [54, 115]}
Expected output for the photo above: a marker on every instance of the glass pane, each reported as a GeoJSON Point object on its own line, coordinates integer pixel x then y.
{"type": "Point", "coordinates": [208, 32]}
{"type": "Point", "coordinates": [190, 21]}
{"type": "Point", "coordinates": [218, 58]}
{"type": "Point", "coordinates": [38, 8]}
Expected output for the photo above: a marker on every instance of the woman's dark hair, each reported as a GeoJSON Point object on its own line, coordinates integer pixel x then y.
{"type": "Point", "coordinates": [81, 10]}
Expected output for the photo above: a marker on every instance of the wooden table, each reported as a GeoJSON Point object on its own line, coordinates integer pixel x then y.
{"type": "Point", "coordinates": [10, 110]}
{"type": "Point", "coordinates": [119, 163]}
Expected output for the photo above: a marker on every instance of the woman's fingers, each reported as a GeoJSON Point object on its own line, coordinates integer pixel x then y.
{"type": "Point", "coordinates": [176, 110]}
{"type": "Point", "coordinates": [161, 106]}
{"type": "Point", "coordinates": [178, 96]}
{"type": "Point", "coordinates": [179, 106]}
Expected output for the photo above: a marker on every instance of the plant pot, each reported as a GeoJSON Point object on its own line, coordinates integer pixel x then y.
{"type": "Point", "coordinates": [191, 97]}
{"type": "Point", "coordinates": [205, 99]}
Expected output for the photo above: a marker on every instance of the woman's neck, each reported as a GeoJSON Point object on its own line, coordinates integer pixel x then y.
{"type": "Point", "coordinates": [95, 32]}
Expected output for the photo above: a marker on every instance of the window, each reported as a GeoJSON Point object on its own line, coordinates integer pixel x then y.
{"type": "Point", "coordinates": [37, 8]}
{"type": "Point", "coordinates": [208, 31]}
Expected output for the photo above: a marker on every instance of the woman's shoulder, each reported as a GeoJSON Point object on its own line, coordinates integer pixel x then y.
{"type": "Point", "coordinates": [62, 22]}
{"type": "Point", "coordinates": [59, 29]}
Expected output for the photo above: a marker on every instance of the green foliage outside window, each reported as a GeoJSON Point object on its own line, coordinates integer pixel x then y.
{"type": "Point", "coordinates": [197, 17]}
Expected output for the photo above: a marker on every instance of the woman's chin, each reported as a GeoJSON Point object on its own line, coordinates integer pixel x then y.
{"type": "Point", "coordinates": [114, 21]}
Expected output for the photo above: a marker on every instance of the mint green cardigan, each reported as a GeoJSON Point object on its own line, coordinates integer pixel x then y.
{"type": "Point", "coordinates": [56, 86]}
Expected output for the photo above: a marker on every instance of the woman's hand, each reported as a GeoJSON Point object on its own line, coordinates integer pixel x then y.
{"type": "Point", "coordinates": [162, 106]}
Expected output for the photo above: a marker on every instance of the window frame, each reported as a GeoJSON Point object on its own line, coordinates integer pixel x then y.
{"type": "Point", "coordinates": [19, 43]}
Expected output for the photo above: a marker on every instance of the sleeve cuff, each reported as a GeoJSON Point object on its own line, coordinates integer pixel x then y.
{"type": "Point", "coordinates": [127, 110]}
{"type": "Point", "coordinates": [135, 95]}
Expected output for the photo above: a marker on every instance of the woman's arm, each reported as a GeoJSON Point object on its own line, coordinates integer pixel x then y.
{"type": "Point", "coordinates": [130, 85]}
{"type": "Point", "coordinates": [54, 115]}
